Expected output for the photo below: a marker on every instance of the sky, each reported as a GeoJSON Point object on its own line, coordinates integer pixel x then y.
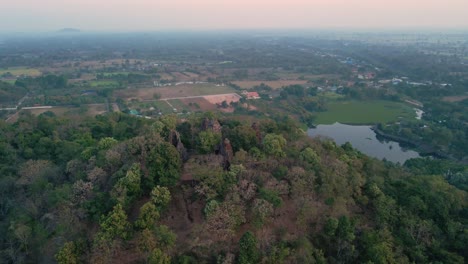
{"type": "Point", "coordinates": [148, 15]}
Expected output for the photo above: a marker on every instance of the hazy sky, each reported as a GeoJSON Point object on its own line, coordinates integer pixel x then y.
{"type": "Point", "coordinates": [141, 15]}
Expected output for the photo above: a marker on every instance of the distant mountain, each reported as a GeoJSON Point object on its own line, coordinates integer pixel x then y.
{"type": "Point", "coordinates": [69, 30]}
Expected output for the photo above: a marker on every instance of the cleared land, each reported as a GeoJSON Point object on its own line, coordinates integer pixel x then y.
{"type": "Point", "coordinates": [184, 90]}
{"type": "Point", "coordinates": [179, 105]}
{"type": "Point", "coordinates": [199, 104]}
{"type": "Point", "coordinates": [59, 111]}
{"type": "Point", "coordinates": [103, 83]}
{"type": "Point", "coordinates": [272, 84]}
{"type": "Point", "coordinates": [96, 109]}
{"type": "Point", "coordinates": [369, 112]}
{"type": "Point", "coordinates": [454, 99]}
{"type": "Point", "coordinates": [17, 71]}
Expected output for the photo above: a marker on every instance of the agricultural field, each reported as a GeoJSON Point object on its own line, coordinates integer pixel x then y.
{"type": "Point", "coordinates": [110, 74]}
{"type": "Point", "coordinates": [103, 83]}
{"type": "Point", "coordinates": [59, 111]}
{"type": "Point", "coordinates": [179, 105]}
{"type": "Point", "coordinates": [297, 76]}
{"type": "Point", "coordinates": [184, 77]}
{"type": "Point", "coordinates": [166, 76]}
{"type": "Point", "coordinates": [191, 74]}
{"type": "Point", "coordinates": [9, 81]}
{"type": "Point", "coordinates": [199, 104]}
{"type": "Point", "coordinates": [96, 109]}
{"type": "Point", "coordinates": [330, 96]}
{"type": "Point", "coordinates": [273, 84]}
{"type": "Point", "coordinates": [364, 112]}
{"type": "Point", "coordinates": [17, 71]}
{"type": "Point", "coordinates": [177, 92]}
{"type": "Point", "coordinates": [163, 107]}
{"type": "Point", "coordinates": [454, 99]}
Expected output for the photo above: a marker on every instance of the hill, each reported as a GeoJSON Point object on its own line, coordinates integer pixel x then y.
{"type": "Point", "coordinates": [209, 189]}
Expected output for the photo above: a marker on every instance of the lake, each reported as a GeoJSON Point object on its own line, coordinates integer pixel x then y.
{"type": "Point", "coordinates": [365, 140]}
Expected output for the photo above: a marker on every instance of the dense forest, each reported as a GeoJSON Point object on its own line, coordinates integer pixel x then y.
{"type": "Point", "coordinates": [213, 189]}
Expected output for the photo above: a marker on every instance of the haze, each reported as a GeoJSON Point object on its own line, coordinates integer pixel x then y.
{"type": "Point", "coordinates": [140, 15]}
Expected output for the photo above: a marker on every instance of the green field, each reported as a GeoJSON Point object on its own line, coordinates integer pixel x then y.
{"type": "Point", "coordinates": [110, 74]}
{"type": "Point", "coordinates": [330, 95]}
{"type": "Point", "coordinates": [179, 105]}
{"type": "Point", "coordinates": [103, 83]}
{"type": "Point", "coordinates": [16, 71]}
{"type": "Point", "coordinates": [163, 107]}
{"type": "Point", "coordinates": [364, 112]}
{"type": "Point", "coordinates": [9, 81]}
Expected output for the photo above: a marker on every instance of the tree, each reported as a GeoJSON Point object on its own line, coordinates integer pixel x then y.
{"type": "Point", "coordinates": [128, 188]}
{"type": "Point", "coordinates": [207, 141]}
{"type": "Point", "coordinates": [310, 156]}
{"type": "Point", "coordinates": [166, 238]}
{"type": "Point", "coordinates": [273, 145]}
{"type": "Point", "coordinates": [248, 251]}
{"type": "Point", "coordinates": [115, 225]}
{"type": "Point", "coordinates": [160, 196]}
{"type": "Point", "coordinates": [148, 216]}
{"type": "Point", "coordinates": [164, 164]}
{"type": "Point", "coordinates": [106, 143]}
{"type": "Point", "coordinates": [67, 254]}
{"type": "Point", "coordinates": [158, 257]}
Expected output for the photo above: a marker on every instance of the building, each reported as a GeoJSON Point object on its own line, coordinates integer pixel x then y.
{"type": "Point", "coordinates": [251, 95]}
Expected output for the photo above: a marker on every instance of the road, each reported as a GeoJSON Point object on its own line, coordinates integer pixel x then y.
{"type": "Point", "coordinates": [17, 105]}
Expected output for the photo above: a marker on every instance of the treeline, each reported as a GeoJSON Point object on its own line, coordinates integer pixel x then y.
{"type": "Point", "coordinates": [116, 188]}
{"type": "Point", "coordinates": [444, 127]}
{"type": "Point", "coordinates": [47, 82]}
{"type": "Point", "coordinates": [130, 78]}
{"type": "Point", "coordinates": [10, 94]}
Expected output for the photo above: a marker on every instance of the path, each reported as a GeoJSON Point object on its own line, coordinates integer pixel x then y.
{"type": "Point", "coordinates": [189, 97]}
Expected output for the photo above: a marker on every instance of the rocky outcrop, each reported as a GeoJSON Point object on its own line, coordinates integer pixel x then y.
{"type": "Point", "coordinates": [174, 139]}
{"type": "Point", "coordinates": [256, 127]}
{"type": "Point", "coordinates": [211, 125]}
{"type": "Point", "coordinates": [227, 153]}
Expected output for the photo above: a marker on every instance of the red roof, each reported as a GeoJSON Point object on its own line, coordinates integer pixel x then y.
{"type": "Point", "coordinates": [252, 94]}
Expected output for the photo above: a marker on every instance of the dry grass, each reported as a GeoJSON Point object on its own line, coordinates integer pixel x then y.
{"type": "Point", "coordinates": [185, 90]}
{"type": "Point", "coordinates": [454, 99]}
{"type": "Point", "coordinates": [273, 84]}
{"type": "Point", "coordinates": [218, 99]}
{"type": "Point", "coordinates": [199, 104]}
{"type": "Point", "coordinates": [96, 109]}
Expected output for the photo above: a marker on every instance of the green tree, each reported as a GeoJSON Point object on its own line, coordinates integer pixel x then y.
{"type": "Point", "coordinates": [115, 224]}
{"type": "Point", "coordinates": [310, 156]}
{"type": "Point", "coordinates": [166, 238]}
{"type": "Point", "coordinates": [158, 257]}
{"type": "Point", "coordinates": [207, 141]}
{"type": "Point", "coordinates": [248, 251]}
{"type": "Point", "coordinates": [67, 254]}
{"type": "Point", "coordinates": [128, 187]}
{"type": "Point", "coordinates": [160, 196]}
{"type": "Point", "coordinates": [148, 216]}
{"type": "Point", "coordinates": [273, 145]}
{"type": "Point", "coordinates": [106, 143]}
{"type": "Point", "coordinates": [164, 165]}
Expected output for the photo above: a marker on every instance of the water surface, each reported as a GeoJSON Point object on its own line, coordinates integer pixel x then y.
{"type": "Point", "coordinates": [365, 140]}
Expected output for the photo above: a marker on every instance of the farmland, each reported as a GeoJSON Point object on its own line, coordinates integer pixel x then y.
{"type": "Point", "coordinates": [364, 112]}
{"type": "Point", "coordinates": [185, 90]}
{"type": "Point", "coordinates": [103, 83]}
{"type": "Point", "coordinates": [272, 84]}
{"type": "Point", "coordinates": [453, 99]}
{"type": "Point", "coordinates": [18, 71]}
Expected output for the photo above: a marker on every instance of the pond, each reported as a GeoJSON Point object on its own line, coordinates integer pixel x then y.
{"type": "Point", "coordinates": [365, 140]}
